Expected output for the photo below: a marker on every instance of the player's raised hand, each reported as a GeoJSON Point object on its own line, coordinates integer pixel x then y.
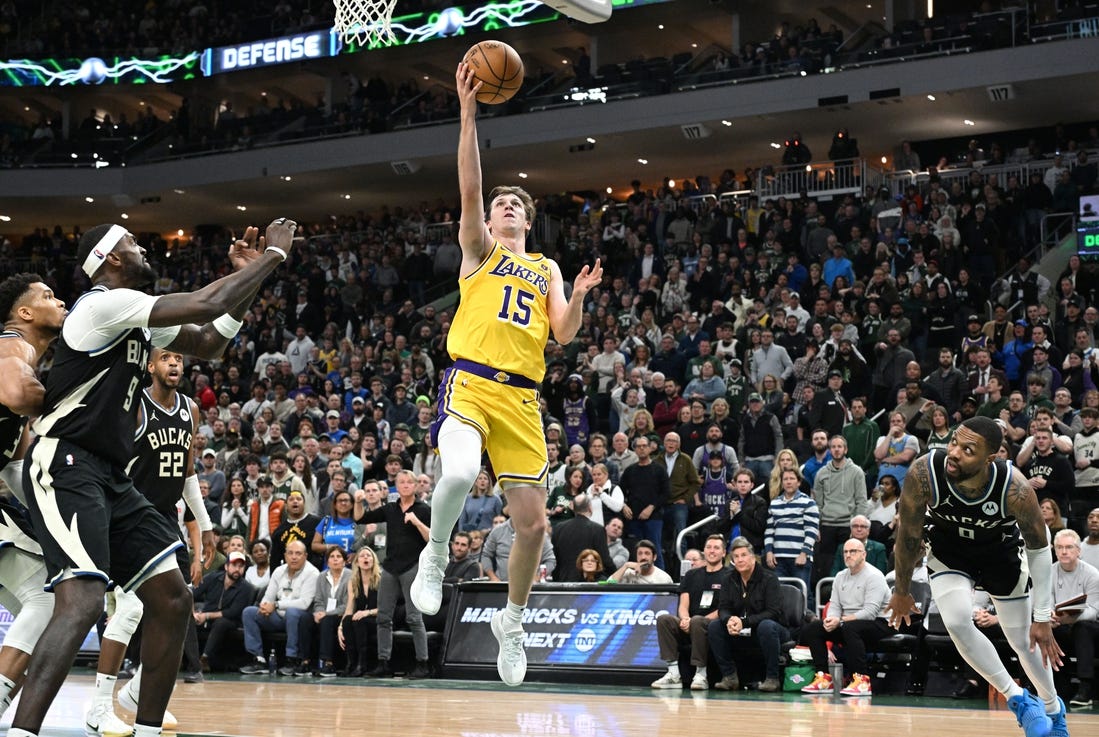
{"type": "Point", "coordinates": [246, 249]}
{"type": "Point", "coordinates": [588, 278]}
{"type": "Point", "coordinates": [468, 85]}
{"type": "Point", "coordinates": [280, 235]}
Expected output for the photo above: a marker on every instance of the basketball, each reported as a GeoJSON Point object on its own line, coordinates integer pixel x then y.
{"type": "Point", "coordinates": [499, 68]}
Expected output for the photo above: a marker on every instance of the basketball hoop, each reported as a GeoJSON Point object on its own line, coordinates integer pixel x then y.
{"type": "Point", "coordinates": [365, 22]}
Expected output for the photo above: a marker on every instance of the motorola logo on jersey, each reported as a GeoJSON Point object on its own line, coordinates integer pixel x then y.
{"type": "Point", "coordinates": [990, 508]}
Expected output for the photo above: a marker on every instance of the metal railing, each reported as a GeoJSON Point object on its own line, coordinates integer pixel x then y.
{"type": "Point", "coordinates": [826, 178]}
{"type": "Point", "coordinates": [702, 523]}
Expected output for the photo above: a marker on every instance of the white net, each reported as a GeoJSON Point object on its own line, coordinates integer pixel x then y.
{"type": "Point", "coordinates": [365, 22]}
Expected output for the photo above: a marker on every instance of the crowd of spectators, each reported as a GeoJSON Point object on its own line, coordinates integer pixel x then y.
{"type": "Point", "coordinates": [814, 349]}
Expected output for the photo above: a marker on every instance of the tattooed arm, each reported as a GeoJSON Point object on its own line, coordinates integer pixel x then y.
{"type": "Point", "coordinates": [1023, 505]}
{"type": "Point", "coordinates": [911, 508]}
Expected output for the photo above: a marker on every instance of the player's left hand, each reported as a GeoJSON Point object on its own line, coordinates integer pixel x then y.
{"type": "Point", "coordinates": [209, 547]}
{"type": "Point", "coordinates": [901, 608]}
{"type": "Point", "coordinates": [196, 572]}
{"type": "Point", "coordinates": [247, 248]}
{"type": "Point", "coordinates": [1041, 636]}
{"type": "Point", "coordinates": [589, 277]}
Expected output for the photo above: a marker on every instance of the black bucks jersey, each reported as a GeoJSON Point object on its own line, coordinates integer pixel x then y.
{"type": "Point", "coordinates": [977, 536]}
{"type": "Point", "coordinates": [92, 396]}
{"type": "Point", "coordinates": [11, 424]}
{"type": "Point", "coordinates": [162, 440]}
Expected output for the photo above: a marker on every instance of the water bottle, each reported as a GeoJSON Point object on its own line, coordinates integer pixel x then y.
{"type": "Point", "coordinates": [272, 662]}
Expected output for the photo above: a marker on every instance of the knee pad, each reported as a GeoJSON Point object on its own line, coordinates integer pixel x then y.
{"type": "Point", "coordinates": [127, 614]}
{"type": "Point", "coordinates": [32, 620]}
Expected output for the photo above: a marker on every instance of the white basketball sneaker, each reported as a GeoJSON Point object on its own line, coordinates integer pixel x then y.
{"type": "Point", "coordinates": [512, 660]}
{"type": "Point", "coordinates": [127, 699]}
{"type": "Point", "coordinates": [427, 587]}
{"type": "Point", "coordinates": [100, 721]}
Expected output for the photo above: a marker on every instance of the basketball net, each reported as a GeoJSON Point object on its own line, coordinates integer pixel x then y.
{"type": "Point", "coordinates": [365, 22]}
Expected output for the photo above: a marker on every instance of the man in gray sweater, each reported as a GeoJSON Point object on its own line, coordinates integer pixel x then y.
{"type": "Point", "coordinates": [840, 492]}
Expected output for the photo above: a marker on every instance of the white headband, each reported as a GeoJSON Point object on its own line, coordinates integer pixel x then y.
{"type": "Point", "coordinates": [99, 251]}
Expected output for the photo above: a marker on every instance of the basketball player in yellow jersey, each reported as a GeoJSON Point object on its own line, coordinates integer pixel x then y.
{"type": "Point", "coordinates": [511, 300]}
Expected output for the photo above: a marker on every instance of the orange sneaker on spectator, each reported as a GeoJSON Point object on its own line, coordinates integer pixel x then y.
{"type": "Point", "coordinates": [822, 683]}
{"type": "Point", "coordinates": [859, 686]}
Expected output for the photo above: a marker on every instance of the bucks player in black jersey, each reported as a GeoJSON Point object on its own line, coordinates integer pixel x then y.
{"type": "Point", "coordinates": [981, 522]}
{"type": "Point", "coordinates": [163, 470]}
{"type": "Point", "coordinates": [93, 524]}
{"type": "Point", "coordinates": [32, 319]}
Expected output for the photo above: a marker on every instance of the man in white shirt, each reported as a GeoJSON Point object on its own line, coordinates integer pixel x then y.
{"type": "Point", "coordinates": [1076, 626]}
{"type": "Point", "coordinates": [289, 596]}
{"type": "Point", "coordinates": [644, 569]}
{"type": "Point", "coordinates": [298, 350]}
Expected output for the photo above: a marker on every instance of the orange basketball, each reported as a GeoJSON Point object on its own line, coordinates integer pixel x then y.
{"type": "Point", "coordinates": [499, 68]}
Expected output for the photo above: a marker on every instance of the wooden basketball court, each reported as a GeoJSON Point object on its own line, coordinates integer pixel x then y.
{"type": "Point", "coordinates": [295, 707]}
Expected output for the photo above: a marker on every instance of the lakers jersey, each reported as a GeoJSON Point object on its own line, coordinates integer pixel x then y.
{"type": "Point", "coordinates": [502, 320]}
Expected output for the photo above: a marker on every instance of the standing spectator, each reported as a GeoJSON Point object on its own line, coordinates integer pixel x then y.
{"type": "Point", "coordinates": [770, 358]}
{"type": "Point", "coordinates": [481, 505]}
{"type": "Point", "coordinates": [749, 618]}
{"type": "Point", "coordinates": [212, 475]}
{"type": "Point", "coordinates": [1085, 492]}
{"type": "Point", "coordinates": [896, 450]}
{"type": "Point", "coordinates": [862, 436]}
{"type": "Point", "coordinates": [889, 370]}
{"type": "Point", "coordinates": [666, 412]}
{"type": "Point", "coordinates": [288, 597]}
{"type": "Point", "coordinates": [645, 487]}
{"type": "Point", "coordinates": [683, 486]}
{"type": "Point", "coordinates": [840, 493]}
{"type": "Point", "coordinates": [605, 495]}
{"type": "Point", "coordinates": [699, 594]}
{"type": "Point", "coordinates": [760, 438]}
{"type": "Point", "coordinates": [407, 521]}
{"type": "Point", "coordinates": [1049, 471]}
{"type": "Point", "coordinates": [792, 530]}
{"type": "Point", "coordinates": [859, 595]}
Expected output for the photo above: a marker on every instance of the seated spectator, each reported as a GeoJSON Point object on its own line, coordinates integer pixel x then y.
{"type": "Point", "coordinates": [289, 596]}
{"type": "Point", "coordinates": [853, 619]}
{"type": "Point", "coordinates": [643, 570]}
{"type": "Point", "coordinates": [699, 591]}
{"type": "Point", "coordinates": [589, 567]}
{"type": "Point", "coordinates": [220, 601]}
{"type": "Point", "coordinates": [259, 572]}
{"type": "Point", "coordinates": [329, 605]}
{"type": "Point", "coordinates": [749, 621]}
{"type": "Point", "coordinates": [619, 553]}
{"type": "Point", "coordinates": [497, 552]}
{"type": "Point", "coordinates": [358, 630]}
{"type": "Point", "coordinates": [462, 567]}
{"type": "Point", "coordinates": [1076, 628]}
